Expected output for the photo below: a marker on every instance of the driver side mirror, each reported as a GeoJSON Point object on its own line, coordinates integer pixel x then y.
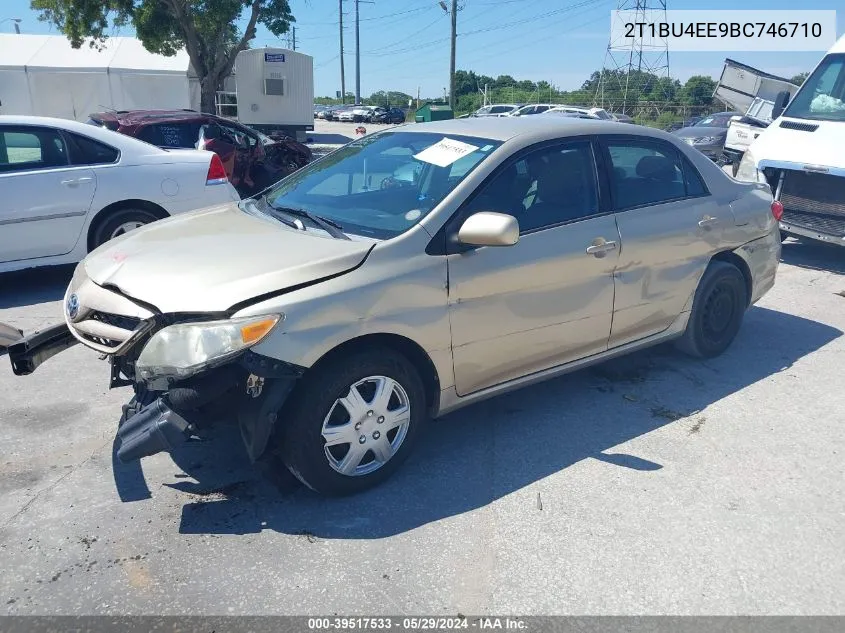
{"type": "Point", "coordinates": [489, 228]}
{"type": "Point", "coordinates": [781, 101]}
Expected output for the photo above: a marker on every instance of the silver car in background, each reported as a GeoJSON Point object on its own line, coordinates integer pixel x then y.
{"type": "Point", "coordinates": [410, 273]}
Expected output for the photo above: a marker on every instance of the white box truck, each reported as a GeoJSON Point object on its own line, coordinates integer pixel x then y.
{"type": "Point", "coordinates": [275, 91]}
{"type": "Point", "coordinates": [800, 154]}
{"type": "Point", "coordinates": [752, 91]}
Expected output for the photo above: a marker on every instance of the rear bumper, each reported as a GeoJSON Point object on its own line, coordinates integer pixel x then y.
{"type": "Point", "coordinates": [27, 354]}
{"type": "Point", "coordinates": [802, 231]}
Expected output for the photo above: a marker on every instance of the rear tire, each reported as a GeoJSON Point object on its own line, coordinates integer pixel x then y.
{"type": "Point", "coordinates": [324, 406]}
{"type": "Point", "coordinates": [717, 310]}
{"type": "Point", "coordinates": [120, 222]}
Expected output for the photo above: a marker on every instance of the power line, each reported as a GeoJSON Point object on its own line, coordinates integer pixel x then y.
{"type": "Point", "coordinates": [386, 47]}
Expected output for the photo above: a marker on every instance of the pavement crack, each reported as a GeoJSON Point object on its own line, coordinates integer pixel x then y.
{"type": "Point", "coordinates": [50, 487]}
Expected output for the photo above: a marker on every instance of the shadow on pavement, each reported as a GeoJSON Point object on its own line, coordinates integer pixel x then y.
{"type": "Point", "coordinates": [470, 458]}
{"type": "Point", "coordinates": [34, 285]}
{"type": "Point", "coordinates": [814, 256]}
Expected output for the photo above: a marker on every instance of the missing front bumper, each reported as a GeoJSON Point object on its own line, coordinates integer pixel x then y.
{"type": "Point", "coordinates": [27, 354]}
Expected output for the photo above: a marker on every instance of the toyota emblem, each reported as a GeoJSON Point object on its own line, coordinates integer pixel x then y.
{"type": "Point", "coordinates": [72, 306]}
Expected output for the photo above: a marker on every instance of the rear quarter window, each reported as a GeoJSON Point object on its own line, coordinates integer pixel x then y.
{"type": "Point", "coordinates": [87, 151]}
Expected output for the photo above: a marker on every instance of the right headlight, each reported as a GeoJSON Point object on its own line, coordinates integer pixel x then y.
{"type": "Point", "coordinates": [747, 170]}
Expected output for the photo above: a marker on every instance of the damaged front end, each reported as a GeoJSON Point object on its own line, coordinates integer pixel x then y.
{"type": "Point", "coordinates": [185, 369]}
{"type": "Point", "coordinates": [249, 389]}
{"type": "Point", "coordinates": [190, 371]}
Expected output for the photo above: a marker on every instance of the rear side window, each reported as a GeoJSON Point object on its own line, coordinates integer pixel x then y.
{"type": "Point", "coordinates": [644, 173]}
{"type": "Point", "coordinates": [27, 148]}
{"type": "Point", "coordinates": [171, 135]}
{"type": "Point", "coordinates": [87, 151]}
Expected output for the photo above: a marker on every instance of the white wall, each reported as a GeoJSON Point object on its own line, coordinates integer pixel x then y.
{"type": "Point", "coordinates": [295, 107]}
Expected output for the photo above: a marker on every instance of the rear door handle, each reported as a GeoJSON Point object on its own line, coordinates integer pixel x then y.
{"type": "Point", "coordinates": [706, 222]}
{"type": "Point", "coordinates": [600, 250]}
{"type": "Point", "coordinates": [71, 182]}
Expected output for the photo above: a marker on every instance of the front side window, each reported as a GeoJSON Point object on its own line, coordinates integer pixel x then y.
{"type": "Point", "coordinates": [822, 97]}
{"type": "Point", "coordinates": [645, 173]}
{"type": "Point", "coordinates": [381, 185]}
{"type": "Point", "coordinates": [25, 148]}
{"type": "Point", "coordinates": [545, 188]}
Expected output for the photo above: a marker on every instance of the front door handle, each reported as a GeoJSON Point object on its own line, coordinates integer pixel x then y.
{"type": "Point", "coordinates": [72, 182]}
{"type": "Point", "coordinates": [601, 248]}
{"type": "Point", "coordinates": [706, 222]}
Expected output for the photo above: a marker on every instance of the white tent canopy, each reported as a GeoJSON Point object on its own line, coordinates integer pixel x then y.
{"type": "Point", "coordinates": [44, 75]}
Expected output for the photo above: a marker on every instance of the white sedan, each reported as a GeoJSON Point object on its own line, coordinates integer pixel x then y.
{"type": "Point", "coordinates": [67, 187]}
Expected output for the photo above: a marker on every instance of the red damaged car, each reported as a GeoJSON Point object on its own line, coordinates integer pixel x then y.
{"type": "Point", "coordinates": [253, 160]}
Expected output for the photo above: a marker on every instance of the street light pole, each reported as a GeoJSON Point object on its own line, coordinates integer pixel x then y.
{"type": "Point", "coordinates": [17, 21]}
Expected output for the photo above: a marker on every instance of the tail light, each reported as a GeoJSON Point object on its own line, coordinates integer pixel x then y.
{"type": "Point", "coordinates": [216, 171]}
{"type": "Point", "coordinates": [777, 210]}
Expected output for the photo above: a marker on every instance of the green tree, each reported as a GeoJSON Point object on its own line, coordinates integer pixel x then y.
{"type": "Point", "coordinates": [206, 29]}
{"type": "Point", "coordinates": [698, 90]}
{"type": "Point", "coordinates": [800, 78]}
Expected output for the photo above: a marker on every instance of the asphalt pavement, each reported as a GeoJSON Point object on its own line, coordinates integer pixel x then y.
{"type": "Point", "coordinates": [654, 484]}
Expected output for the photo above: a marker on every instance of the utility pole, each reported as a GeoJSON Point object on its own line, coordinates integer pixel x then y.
{"type": "Point", "coordinates": [357, 58]}
{"type": "Point", "coordinates": [294, 38]}
{"type": "Point", "coordinates": [342, 76]}
{"type": "Point", "coordinates": [358, 53]}
{"type": "Point", "coordinates": [452, 61]}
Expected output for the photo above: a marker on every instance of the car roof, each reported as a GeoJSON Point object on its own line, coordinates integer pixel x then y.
{"type": "Point", "coordinates": [534, 128]}
{"type": "Point", "coordinates": [115, 139]}
{"type": "Point", "coordinates": [131, 117]}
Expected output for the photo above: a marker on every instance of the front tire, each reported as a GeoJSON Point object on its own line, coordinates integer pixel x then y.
{"type": "Point", "coordinates": [120, 222]}
{"type": "Point", "coordinates": [717, 310]}
{"type": "Point", "coordinates": [353, 422]}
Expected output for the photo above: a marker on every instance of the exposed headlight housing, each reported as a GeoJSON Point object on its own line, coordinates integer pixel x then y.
{"type": "Point", "coordinates": [747, 170]}
{"type": "Point", "coordinates": [184, 349]}
{"type": "Point", "coordinates": [704, 140]}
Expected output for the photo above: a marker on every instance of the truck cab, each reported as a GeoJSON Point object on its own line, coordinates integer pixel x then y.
{"type": "Point", "coordinates": [800, 154]}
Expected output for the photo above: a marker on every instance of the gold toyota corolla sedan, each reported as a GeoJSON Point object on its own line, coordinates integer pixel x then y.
{"type": "Point", "coordinates": [409, 273]}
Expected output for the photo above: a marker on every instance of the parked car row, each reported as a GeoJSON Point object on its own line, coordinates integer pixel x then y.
{"type": "Point", "coordinates": [360, 114]}
{"type": "Point", "coordinates": [511, 110]}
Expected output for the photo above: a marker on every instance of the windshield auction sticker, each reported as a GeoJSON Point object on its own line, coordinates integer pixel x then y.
{"type": "Point", "coordinates": [721, 31]}
{"type": "Point", "coordinates": [445, 152]}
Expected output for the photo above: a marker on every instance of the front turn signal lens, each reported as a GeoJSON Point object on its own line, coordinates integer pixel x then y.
{"type": "Point", "coordinates": [253, 332]}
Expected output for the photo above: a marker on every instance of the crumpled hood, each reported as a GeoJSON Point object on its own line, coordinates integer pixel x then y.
{"type": "Point", "coordinates": [210, 260]}
{"type": "Point", "coordinates": [820, 147]}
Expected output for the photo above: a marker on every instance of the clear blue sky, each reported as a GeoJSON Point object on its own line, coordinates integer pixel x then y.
{"type": "Point", "coordinates": [405, 45]}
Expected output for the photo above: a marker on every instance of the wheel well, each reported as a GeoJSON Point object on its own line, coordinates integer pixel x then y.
{"type": "Point", "coordinates": [405, 346]}
{"type": "Point", "coordinates": [729, 257]}
{"type": "Point", "coordinates": [105, 212]}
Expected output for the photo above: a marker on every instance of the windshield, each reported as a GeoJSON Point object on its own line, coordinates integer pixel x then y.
{"type": "Point", "coordinates": [382, 185]}
{"type": "Point", "coordinates": [716, 120]}
{"type": "Point", "coordinates": [822, 97]}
